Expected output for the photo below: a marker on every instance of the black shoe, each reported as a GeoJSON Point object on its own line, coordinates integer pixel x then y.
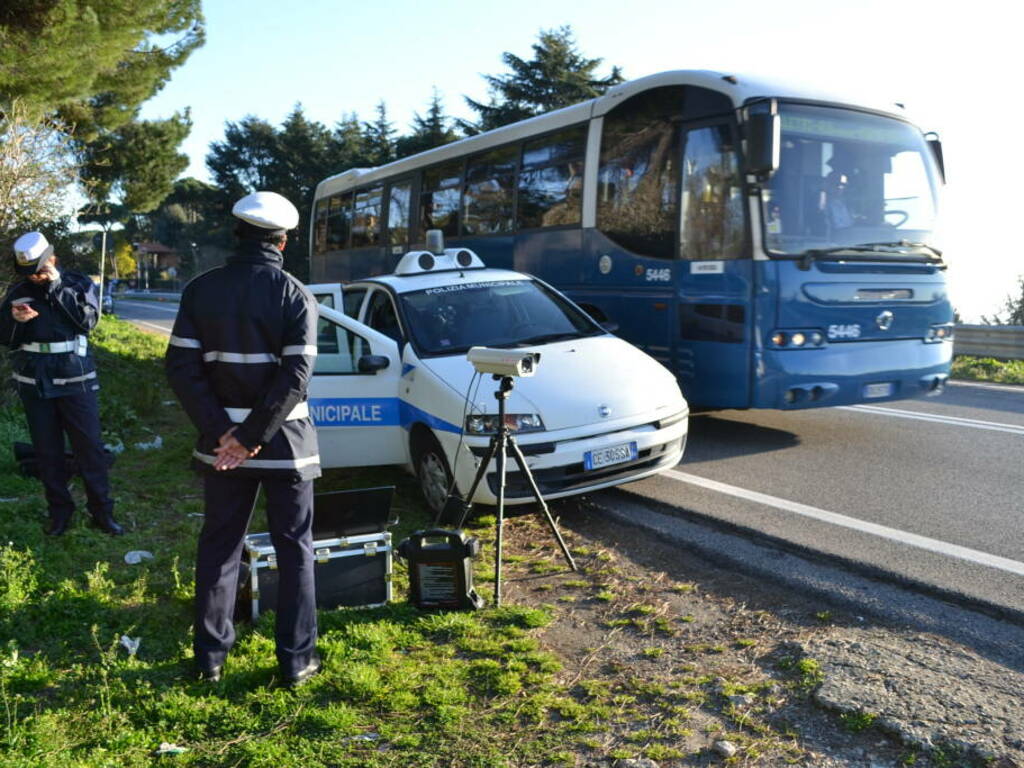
{"type": "Point", "coordinates": [106, 523]}
{"type": "Point", "coordinates": [57, 525]}
{"type": "Point", "coordinates": [303, 675]}
{"type": "Point", "coordinates": [211, 675]}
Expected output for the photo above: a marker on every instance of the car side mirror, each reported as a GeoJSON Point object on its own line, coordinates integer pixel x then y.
{"type": "Point", "coordinates": [764, 141]}
{"type": "Point", "coordinates": [372, 363]}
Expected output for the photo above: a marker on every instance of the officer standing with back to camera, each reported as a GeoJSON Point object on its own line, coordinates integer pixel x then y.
{"type": "Point", "coordinates": [44, 319]}
{"type": "Point", "coordinates": [240, 358]}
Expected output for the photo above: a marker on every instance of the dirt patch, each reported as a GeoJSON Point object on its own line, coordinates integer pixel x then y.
{"type": "Point", "coordinates": [672, 661]}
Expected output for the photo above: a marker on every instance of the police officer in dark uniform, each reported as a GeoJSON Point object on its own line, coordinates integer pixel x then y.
{"type": "Point", "coordinates": [44, 319]}
{"type": "Point", "coordinates": [240, 359]}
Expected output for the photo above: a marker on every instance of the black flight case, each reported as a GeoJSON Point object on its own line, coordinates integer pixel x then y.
{"type": "Point", "coordinates": [352, 550]}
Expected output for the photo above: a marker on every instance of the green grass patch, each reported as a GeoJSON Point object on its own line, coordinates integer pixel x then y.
{"type": "Point", "coordinates": [988, 369]}
{"type": "Point", "coordinates": [399, 688]}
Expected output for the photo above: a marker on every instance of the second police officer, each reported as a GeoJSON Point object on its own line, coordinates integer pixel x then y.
{"type": "Point", "coordinates": [240, 359]}
{"type": "Point", "coordinates": [45, 319]}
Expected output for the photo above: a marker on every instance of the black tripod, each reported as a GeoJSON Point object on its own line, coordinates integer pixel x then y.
{"type": "Point", "coordinates": [501, 440]}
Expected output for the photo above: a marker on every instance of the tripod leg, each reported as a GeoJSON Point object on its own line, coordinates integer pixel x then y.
{"type": "Point", "coordinates": [492, 448]}
{"type": "Point", "coordinates": [521, 461]}
{"type": "Point", "coordinates": [502, 438]}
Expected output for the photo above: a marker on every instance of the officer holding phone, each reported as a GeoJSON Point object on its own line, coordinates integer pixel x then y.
{"type": "Point", "coordinates": [45, 319]}
{"type": "Point", "coordinates": [240, 359]}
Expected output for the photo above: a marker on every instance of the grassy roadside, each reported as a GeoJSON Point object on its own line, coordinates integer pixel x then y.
{"type": "Point", "coordinates": [617, 662]}
{"type": "Point", "coordinates": [428, 686]}
{"type": "Point", "coordinates": [988, 369]}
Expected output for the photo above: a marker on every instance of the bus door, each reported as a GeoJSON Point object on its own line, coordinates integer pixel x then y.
{"type": "Point", "coordinates": [715, 282]}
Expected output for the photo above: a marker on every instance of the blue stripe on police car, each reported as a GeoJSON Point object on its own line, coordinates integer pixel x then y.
{"type": "Point", "coordinates": [354, 411]}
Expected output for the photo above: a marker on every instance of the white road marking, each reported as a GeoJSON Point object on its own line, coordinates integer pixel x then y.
{"type": "Point", "coordinates": [892, 534]}
{"type": "Point", "coordinates": [147, 305]}
{"type": "Point", "coordinates": [1016, 389]}
{"type": "Point", "coordinates": [956, 421]}
{"type": "Point", "coordinates": [165, 331]}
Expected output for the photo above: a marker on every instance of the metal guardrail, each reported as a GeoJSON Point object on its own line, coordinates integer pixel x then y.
{"type": "Point", "coordinates": [1002, 341]}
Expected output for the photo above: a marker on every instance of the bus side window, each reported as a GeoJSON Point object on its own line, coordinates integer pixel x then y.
{"type": "Point", "coordinates": [339, 217]}
{"type": "Point", "coordinates": [712, 196]}
{"type": "Point", "coordinates": [366, 217]}
{"type": "Point", "coordinates": [320, 226]}
{"type": "Point", "coordinates": [637, 181]}
{"type": "Point", "coordinates": [439, 198]}
{"type": "Point", "coordinates": [551, 180]}
{"type": "Point", "coordinates": [487, 195]}
{"type": "Point", "coordinates": [398, 213]}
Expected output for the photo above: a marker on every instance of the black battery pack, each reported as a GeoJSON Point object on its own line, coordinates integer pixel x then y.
{"type": "Point", "coordinates": [441, 569]}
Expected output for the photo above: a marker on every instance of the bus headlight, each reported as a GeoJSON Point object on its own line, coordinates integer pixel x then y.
{"type": "Point", "coordinates": [939, 332]}
{"type": "Point", "coordinates": [779, 339]}
{"type": "Point", "coordinates": [480, 424]}
{"type": "Point", "coordinates": [797, 339]}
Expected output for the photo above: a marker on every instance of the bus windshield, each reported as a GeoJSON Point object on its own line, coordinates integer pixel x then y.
{"type": "Point", "coordinates": [848, 178]}
{"type": "Point", "coordinates": [450, 319]}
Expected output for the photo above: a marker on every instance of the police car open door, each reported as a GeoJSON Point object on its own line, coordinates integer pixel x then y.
{"type": "Point", "coordinates": [353, 396]}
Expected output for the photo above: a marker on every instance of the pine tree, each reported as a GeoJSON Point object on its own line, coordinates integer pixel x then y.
{"type": "Point", "coordinates": [244, 161]}
{"type": "Point", "coordinates": [88, 66]}
{"type": "Point", "coordinates": [557, 76]}
{"type": "Point", "coordinates": [138, 162]}
{"type": "Point", "coordinates": [428, 132]}
{"type": "Point", "coordinates": [379, 138]}
{"type": "Point", "coordinates": [348, 146]}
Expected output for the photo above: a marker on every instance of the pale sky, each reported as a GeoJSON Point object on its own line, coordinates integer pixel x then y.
{"type": "Point", "coordinates": [949, 63]}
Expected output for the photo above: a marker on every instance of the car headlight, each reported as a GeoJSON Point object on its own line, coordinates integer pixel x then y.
{"type": "Point", "coordinates": [487, 424]}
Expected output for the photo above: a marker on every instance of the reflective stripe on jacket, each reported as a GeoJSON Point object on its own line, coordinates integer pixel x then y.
{"type": "Point", "coordinates": [245, 340]}
{"type": "Point", "coordinates": [68, 308]}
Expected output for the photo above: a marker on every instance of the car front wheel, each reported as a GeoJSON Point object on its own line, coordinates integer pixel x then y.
{"type": "Point", "coordinates": [432, 471]}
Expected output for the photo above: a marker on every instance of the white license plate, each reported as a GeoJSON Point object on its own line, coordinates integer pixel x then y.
{"type": "Point", "coordinates": [883, 389]}
{"type": "Point", "coordinates": [613, 454]}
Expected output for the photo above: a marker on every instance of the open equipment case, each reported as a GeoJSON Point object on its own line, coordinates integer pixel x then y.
{"type": "Point", "coordinates": [352, 555]}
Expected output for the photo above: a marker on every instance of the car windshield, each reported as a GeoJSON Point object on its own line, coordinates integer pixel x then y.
{"type": "Point", "coordinates": [848, 178]}
{"type": "Point", "coordinates": [450, 319]}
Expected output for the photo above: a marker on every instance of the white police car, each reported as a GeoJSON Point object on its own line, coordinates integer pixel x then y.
{"type": "Point", "coordinates": [392, 384]}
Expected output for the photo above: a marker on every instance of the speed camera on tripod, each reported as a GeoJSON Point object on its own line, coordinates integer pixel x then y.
{"type": "Point", "coordinates": [503, 362]}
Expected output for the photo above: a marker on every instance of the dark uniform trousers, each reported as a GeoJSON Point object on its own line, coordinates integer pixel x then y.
{"type": "Point", "coordinates": [78, 415]}
{"type": "Point", "coordinates": [230, 500]}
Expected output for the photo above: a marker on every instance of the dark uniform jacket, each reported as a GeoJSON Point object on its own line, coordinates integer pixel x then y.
{"type": "Point", "coordinates": [68, 309]}
{"type": "Point", "coordinates": [242, 353]}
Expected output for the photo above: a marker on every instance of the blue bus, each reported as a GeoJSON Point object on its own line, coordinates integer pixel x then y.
{"type": "Point", "coordinates": [773, 247]}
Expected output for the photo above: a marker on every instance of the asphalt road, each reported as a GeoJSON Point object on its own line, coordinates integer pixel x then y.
{"type": "Point", "coordinates": [156, 316]}
{"type": "Point", "coordinates": [929, 491]}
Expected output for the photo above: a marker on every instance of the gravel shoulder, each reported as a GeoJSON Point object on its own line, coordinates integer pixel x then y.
{"type": "Point", "coordinates": [681, 660]}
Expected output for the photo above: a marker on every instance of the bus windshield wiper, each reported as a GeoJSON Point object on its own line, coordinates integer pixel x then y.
{"type": "Point", "coordinates": [908, 244]}
{"type": "Point", "coordinates": [875, 249]}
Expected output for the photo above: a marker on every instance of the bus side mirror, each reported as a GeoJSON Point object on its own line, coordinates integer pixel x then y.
{"type": "Point", "coordinates": [936, 147]}
{"type": "Point", "coordinates": [764, 131]}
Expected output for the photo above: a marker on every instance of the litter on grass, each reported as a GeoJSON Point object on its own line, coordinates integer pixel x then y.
{"type": "Point", "coordinates": [131, 644]}
{"type": "Point", "coordinates": [156, 442]}
{"type": "Point", "coordinates": [136, 556]}
{"type": "Point", "coordinates": [166, 748]}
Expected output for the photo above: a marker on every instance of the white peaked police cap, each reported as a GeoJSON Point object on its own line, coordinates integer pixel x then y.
{"type": "Point", "coordinates": [267, 210]}
{"type": "Point", "coordinates": [30, 251]}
